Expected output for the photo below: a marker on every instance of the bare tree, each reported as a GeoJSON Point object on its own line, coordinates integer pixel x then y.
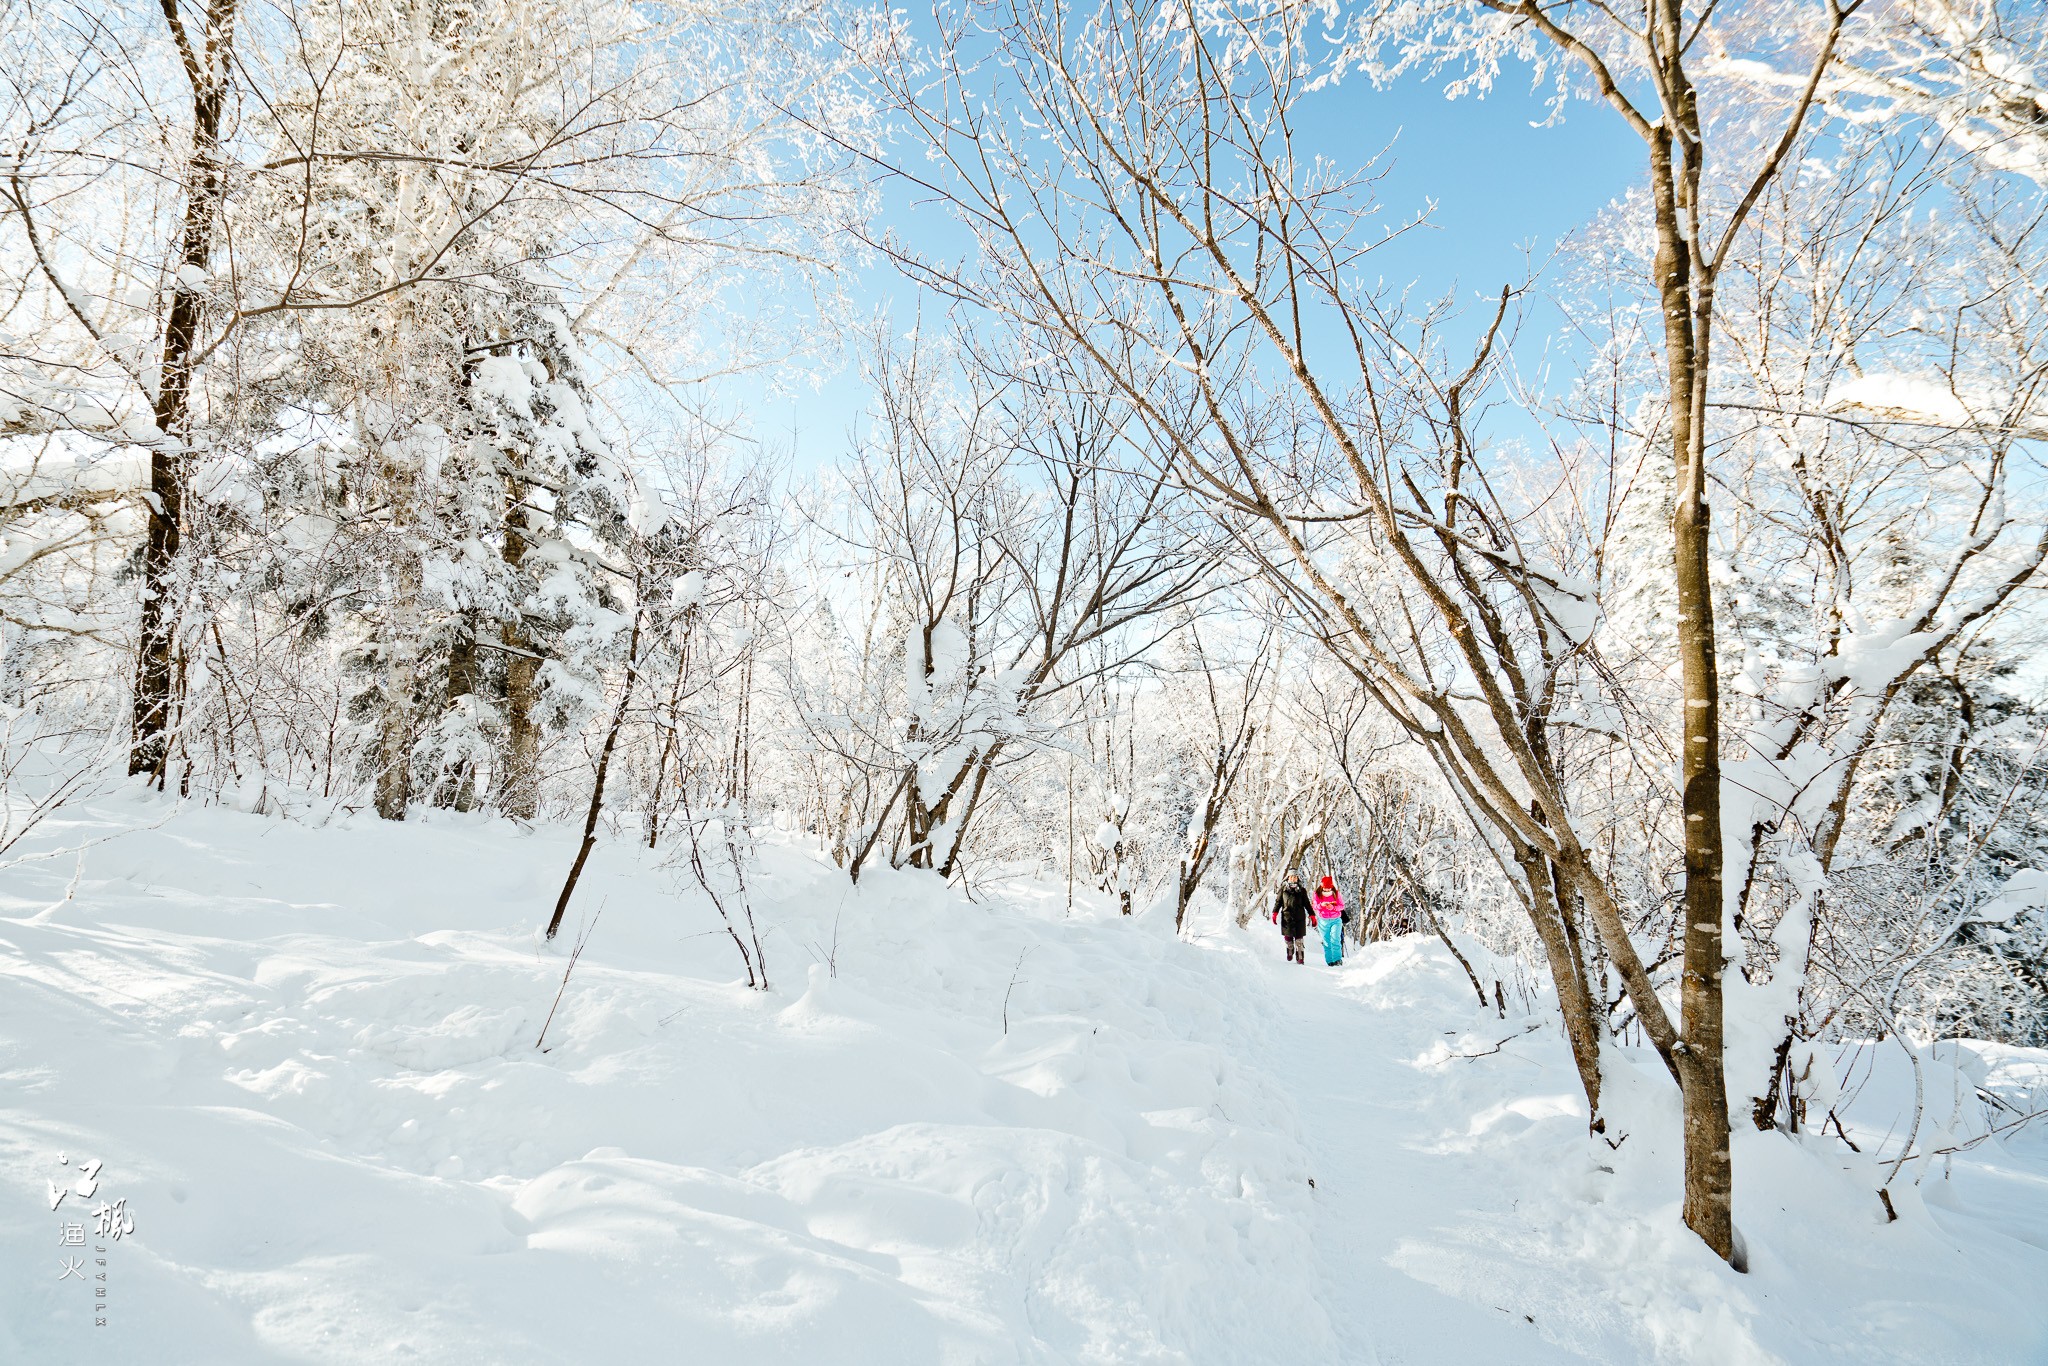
{"type": "Point", "coordinates": [1232, 715]}
{"type": "Point", "coordinates": [1031, 550]}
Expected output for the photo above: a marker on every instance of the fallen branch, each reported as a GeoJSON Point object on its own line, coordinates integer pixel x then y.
{"type": "Point", "coordinates": [1529, 1028]}
{"type": "Point", "coordinates": [1463, 962]}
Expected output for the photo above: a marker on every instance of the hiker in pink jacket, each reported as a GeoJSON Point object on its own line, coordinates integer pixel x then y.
{"type": "Point", "coordinates": [1330, 918]}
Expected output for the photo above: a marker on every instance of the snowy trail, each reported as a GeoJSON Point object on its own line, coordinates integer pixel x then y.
{"type": "Point", "coordinates": [307, 1058]}
{"type": "Point", "coordinates": [1346, 1055]}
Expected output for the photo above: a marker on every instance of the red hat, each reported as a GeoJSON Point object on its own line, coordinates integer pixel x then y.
{"type": "Point", "coordinates": [1328, 883]}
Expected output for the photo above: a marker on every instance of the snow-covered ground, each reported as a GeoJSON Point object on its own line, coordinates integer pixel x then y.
{"type": "Point", "coordinates": [305, 1058]}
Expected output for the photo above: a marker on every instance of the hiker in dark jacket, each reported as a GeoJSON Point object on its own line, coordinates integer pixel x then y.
{"type": "Point", "coordinates": [1291, 910]}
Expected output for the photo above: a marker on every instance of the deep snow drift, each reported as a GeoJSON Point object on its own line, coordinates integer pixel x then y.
{"type": "Point", "coordinates": [305, 1060]}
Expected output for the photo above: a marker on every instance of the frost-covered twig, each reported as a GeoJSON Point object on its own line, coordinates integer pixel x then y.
{"type": "Point", "coordinates": [752, 955]}
{"type": "Point", "coordinates": [1014, 984]}
{"type": "Point", "coordinates": [582, 939]}
{"type": "Point", "coordinates": [830, 958]}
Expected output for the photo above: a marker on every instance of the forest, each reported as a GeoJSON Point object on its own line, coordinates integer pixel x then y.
{"type": "Point", "coordinates": [393, 398]}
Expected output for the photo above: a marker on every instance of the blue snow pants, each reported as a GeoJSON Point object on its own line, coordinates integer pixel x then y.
{"type": "Point", "coordinates": [1333, 940]}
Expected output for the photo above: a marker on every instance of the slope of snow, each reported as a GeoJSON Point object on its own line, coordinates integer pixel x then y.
{"type": "Point", "coordinates": [306, 1059]}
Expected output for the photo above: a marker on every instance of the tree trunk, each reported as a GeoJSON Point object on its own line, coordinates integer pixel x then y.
{"type": "Point", "coordinates": [604, 763]}
{"type": "Point", "coordinates": [739, 779]}
{"type": "Point", "coordinates": [1686, 295]}
{"type": "Point", "coordinates": [669, 733]}
{"type": "Point", "coordinates": [462, 682]}
{"type": "Point", "coordinates": [520, 791]}
{"type": "Point", "coordinates": [1193, 869]}
{"type": "Point", "coordinates": [206, 71]}
{"type": "Point", "coordinates": [957, 824]}
{"type": "Point", "coordinates": [1574, 1001]}
{"type": "Point", "coordinates": [881, 821]}
{"type": "Point", "coordinates": [401, 675]}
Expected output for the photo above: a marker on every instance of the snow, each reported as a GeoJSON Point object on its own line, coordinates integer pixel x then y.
{"type": "Point", "coordinates": [71, 466]}
{"type": "Point", "coordinates": [2025, 890]}
{"type": "Point", "coordinates": [140, 428]}
{"type": "Point", "coordinates": [1933, 401]}
{"type": "Point", "coordinates": [649, 512]}
{"type": "Point", "coordinates": [687, 591]}
{"type": "Point", "coordinates": [1571, 604]}
{"type": "Point", "coordinates": [950, 650]}
{"type": "Point", "coordinates": [305, 1057]}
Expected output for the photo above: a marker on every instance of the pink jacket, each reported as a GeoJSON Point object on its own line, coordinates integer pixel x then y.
{"type": "Point", "coordinates": [1329, 905]}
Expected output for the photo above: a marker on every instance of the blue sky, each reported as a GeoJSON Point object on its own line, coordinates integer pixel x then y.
{"type": "Point", "coordinates": [1500, 185]}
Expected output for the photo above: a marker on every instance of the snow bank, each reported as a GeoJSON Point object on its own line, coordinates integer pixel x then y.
{"type": "Point", "coordinates": [306, 1060]}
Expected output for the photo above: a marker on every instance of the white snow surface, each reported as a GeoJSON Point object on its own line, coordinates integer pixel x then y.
{"type": "Point", "coordinates": [306, 1060]}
